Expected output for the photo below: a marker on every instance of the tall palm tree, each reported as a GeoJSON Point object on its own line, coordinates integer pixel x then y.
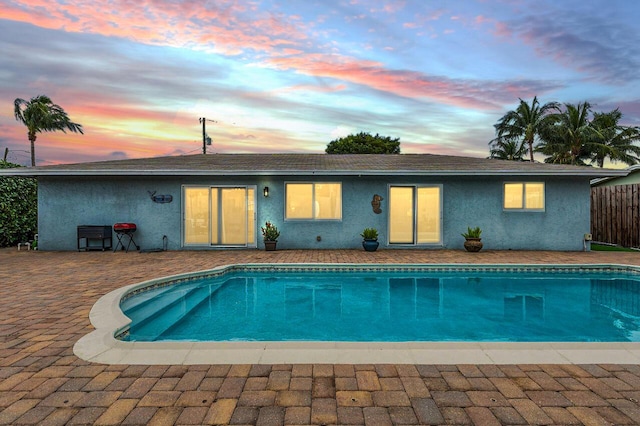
{"type": "Point", "coordinates": [524, 123]}
{"type": "Point", "coordinates": [40, 114]}
{"type": "Point", "coordinates": [613, 140]}
{"type": "Point", "coordinates": [570, 138]}
{"type": "Point", "coordinates": [507, 150]}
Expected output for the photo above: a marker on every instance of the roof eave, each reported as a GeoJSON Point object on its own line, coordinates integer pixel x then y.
{"type": "Point", "coordinates": [593, 173]}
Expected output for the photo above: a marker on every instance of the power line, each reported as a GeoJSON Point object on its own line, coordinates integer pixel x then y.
{"type": "Point", "coordinates": [14, 156]}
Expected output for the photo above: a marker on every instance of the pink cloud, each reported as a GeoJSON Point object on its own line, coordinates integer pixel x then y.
{"type": "Point", "coordinates": [421, 20]}
{"type": "Point", "coordinates": [503, 30]}
{"type": "Point", "coordinates": [315, 88]}
{"type": "Point", "coordinates": [390, 7]}
{"type": "Point", "coordinates": [224, 28]}
{"type": "Point", "coordinates": [410, 84]}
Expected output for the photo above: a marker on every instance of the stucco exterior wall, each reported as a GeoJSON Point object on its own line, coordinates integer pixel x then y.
{"type": "Point", "coordinates": [65, 203]}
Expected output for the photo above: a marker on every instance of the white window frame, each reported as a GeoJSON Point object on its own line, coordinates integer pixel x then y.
{"type": "Point", "coordinates": [524, 197]}
{"type": "Point", "coordinates": [313, 201]}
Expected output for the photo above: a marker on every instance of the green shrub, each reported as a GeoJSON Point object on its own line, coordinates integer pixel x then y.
{"type": "Point", "coordinates": [270, 232]}
{"type": "Point", "coordinates": [370, 234]}
{"type": "Point", "coordinates": [18, 208]}
{"type": "Point", "coordinates": [472, 232]}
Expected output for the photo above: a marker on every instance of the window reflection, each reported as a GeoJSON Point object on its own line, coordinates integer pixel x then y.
{"type": "Point", "coordinates": [524, 307]}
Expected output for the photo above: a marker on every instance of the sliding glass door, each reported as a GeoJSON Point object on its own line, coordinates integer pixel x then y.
{"type": "Point", "coordinates": [415, 214]}
{"type": "Point", "coordinates": [219, 216]}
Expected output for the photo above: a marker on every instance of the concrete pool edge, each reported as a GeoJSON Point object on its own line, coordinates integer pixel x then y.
{"type": "Point", "coordinates": [101, 346]}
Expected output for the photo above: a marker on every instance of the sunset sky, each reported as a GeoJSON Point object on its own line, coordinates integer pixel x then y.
{"type": "Point", "coordinates": [290, 76]}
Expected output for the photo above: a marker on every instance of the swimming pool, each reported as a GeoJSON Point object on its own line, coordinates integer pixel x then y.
{"type": "Point", "coordinates": [389, 303]}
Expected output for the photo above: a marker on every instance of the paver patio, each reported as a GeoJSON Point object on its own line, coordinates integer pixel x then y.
{"type": "Point", "coordinates": [47, 296]}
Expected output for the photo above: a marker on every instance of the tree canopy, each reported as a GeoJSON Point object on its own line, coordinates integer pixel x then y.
{"type": "Point", "coordinates": [40, 114]}
{"type": "Point", "coordinates": [364, 143]}
{"type": "Point", "coordinates": [567, 134]}
{"type": "Point", "coordinates": [508, 150]}
{"type": "Point", "coordinates": [523, 125]}
{"type": "Point", "coordinates": [613, 140]}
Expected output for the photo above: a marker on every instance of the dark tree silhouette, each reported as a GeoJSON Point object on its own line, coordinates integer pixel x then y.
{"type": "Point", "coordinates": [364, 143]}
{"type": "Point", "coordinates": [40, 114]}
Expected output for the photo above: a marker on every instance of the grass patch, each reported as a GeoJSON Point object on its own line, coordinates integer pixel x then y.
{"type": "Point", "coordinates": [603, 247]}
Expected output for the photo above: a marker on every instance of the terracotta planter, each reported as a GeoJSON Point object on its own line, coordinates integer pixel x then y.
{"type": "Point", "coordinates": [473, 244]}
{"type": "Point", "coordinates": [370, 245]}
{"type": "Point", "coordinates": [270, 245]}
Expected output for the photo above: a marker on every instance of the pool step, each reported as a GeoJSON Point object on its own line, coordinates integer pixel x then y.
{"type": "Point", "coordinates": [151, 328]}
{"type": "Point", "coordinates": [144, 304]}
{"type": "Point", "coordinates": [168, 331]}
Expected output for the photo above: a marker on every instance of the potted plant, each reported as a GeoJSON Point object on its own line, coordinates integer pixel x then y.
{"type": "Point", "coordinates": [472, 241]}
{"type": "Point", "coordinates": [370, 239]}
{"type": "Point", "coordinates": [270, 236]}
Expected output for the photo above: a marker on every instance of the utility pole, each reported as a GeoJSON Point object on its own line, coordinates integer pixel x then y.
{"type": "Point", "coordinates": [6, 152]}
{"type": "Point", "coordinates": [206, 140]}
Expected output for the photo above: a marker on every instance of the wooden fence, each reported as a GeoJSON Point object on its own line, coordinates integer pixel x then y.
{"type": "Point", "coordinates": [615, 214]}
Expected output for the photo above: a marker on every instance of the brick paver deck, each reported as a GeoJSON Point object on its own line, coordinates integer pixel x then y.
{"type": "Point", "coordinates": [45, 298]}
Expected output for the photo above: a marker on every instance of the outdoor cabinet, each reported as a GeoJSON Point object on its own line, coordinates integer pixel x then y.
{"type": "Point", "coordinates": [94, 237]}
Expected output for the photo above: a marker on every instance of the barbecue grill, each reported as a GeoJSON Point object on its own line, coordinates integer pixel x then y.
{"type": "Point", "coordinates": [124, 233]}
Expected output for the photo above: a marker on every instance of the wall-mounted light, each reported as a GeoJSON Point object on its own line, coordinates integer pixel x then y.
{"type": "Point", "coordinates": [265, 191]}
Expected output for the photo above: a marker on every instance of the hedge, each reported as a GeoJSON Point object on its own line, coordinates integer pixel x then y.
{"type": "Point", "coordinates": [18, 208]}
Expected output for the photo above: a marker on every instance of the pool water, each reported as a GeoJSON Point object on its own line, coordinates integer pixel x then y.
{"type": "Point", "coordinates": [390, 307]}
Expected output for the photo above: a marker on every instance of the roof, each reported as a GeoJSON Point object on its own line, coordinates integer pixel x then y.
{"type": "Point", "coordinates": [311, 164]}
{"type": "Point", "coordinates": [601, 180]}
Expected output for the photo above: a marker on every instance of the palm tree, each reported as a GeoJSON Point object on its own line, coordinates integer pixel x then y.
{"type": "Point", "coordinates": [570, 138]}
{"type": "Point", "coordinates": [40, 114]}
{"type": "Point", "coordinates": [507, 150]}
{"type": "Point", "coordinates": [524, 124]}
{"type": "Point", "coordinates": [614, 141]}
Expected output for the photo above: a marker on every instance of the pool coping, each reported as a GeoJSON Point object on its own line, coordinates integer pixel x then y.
{"type": "Point", "coordinates": [101, 346]}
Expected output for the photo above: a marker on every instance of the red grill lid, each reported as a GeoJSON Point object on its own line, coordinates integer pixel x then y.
{"type": "Point", "coordinates": [124, 227]}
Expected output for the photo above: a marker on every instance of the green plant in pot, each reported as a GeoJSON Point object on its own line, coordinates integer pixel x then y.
{"type": "Point", "coordinates": [270, 236]}
{"type": "Point", "coordinates": [472, 241]}
{"type": "Point", "coordinates": [370, 239]}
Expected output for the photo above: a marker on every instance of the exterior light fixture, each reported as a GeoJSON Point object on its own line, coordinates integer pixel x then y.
{"type": "Point", "coordinates": [265, 191]}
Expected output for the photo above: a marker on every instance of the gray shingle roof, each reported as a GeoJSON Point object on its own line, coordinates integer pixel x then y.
{"type": "Point", "coordinates": [311, 164]}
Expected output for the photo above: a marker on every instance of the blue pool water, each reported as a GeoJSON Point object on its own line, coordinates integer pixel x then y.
{"type": "Point", "coordinates": [390, 306]}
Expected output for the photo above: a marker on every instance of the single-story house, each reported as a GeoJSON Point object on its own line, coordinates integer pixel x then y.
{"type": "Point", "coordinates": [631, 178]}
{"type": "Point", "coordinates": [317, 201]}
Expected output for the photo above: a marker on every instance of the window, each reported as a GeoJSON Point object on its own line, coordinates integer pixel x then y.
{"type": "Point", "coordinates": [524, 196]}
{"type": "Point", "coordinates": [313, 201]}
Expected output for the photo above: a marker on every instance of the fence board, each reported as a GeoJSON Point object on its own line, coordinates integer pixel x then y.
{"type": "Point", "coordinates": [615, 214]}
{"type": "Point", "coordinates": [635, 216]}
